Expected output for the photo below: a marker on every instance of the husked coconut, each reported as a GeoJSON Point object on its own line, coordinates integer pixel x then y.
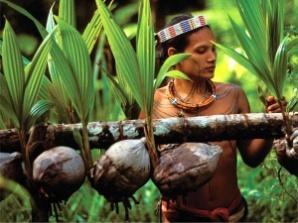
{"type": "Point", "coordinates": [122, 170]}
{"type": "Point", "coordinates": [58, 173]}
{"type": "Point", "coordinates": [11, 168]}
{"type": "Point", "coordinates": [287, 155]}
{"type": "Point", "coordinates": [185, 167]}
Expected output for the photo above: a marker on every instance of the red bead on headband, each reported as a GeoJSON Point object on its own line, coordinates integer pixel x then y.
{"type": "Point", "coordinates": [180, 28]}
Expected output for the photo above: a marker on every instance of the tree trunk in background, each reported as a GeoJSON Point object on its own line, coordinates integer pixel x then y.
{"type": "Point", "coordinates": [163, 8]}
{"type": "Point", "coordinates": [170, 130]}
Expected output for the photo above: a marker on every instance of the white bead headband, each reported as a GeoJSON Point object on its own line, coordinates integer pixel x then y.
{"type": "Point", "coordinates": [181, 28]}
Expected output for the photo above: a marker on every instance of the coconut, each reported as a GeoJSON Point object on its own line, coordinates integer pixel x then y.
{"type": "Point", "coordinates": [185, 168]}
{"type": "Point", "coordinates": [58, 172]}
{"type": "Point", "coordinates": [11, 168]}
{"type": "Point", "coordinates": [288, 156]}
{"type": "Point", "coordinates": [122, 170]}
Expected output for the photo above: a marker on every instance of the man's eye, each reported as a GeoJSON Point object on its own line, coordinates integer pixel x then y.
{"type": "Point", "coordinates": [201, 50]}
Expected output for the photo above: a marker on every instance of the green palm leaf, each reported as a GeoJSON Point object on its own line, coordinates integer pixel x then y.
{"type": "Point", "coordinates": [251, 12]}
{"type": "Point", "coordinates": [280, 68]}
{"type": "Point", "coordinates": [44, 89]}
{"type": "Point", "coordinates": [35, 74]}
{"type": "Point", "coordinates": [50, 25]}
{"type": "Point", "coordinates": [252, 50]}
{"type": "Point", "coordinates": [146, 55]}
{"type": "Point", "coordinates": [126, 61]}
{"type": "Point", "coordinates": [7, 109]}
{"type": "Point", "coordinates": [67, 12]}
{"type": "Point", "coordinates": [118, 91]}
{"type": "Point", "coordinates": [39, 109]}
{"type": "Point", "coordinates": [59, 69]}
{"type": "Point", "coordinates": [13, 68]}
{"type": "Point", "coordinates": [25, 59]}
{"type": "Point", "coordinates": [275, 26]}
{"type": "Point", "coordinates": [266, 52]}
{"type": "Point", "coordinates": [174, 74]}
{"type": "Point", "coordinates": [92, 31]}
{"type": "Point", "coordinates": [167, 65]}
{"type": "Point", "coordinates": [76, 54]}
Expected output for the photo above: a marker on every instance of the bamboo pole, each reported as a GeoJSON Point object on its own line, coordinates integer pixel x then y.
{"type": "Point", "coordinates": [170, 130]}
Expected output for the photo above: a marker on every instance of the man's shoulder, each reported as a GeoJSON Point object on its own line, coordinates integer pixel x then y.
{"type": "Point", "coordinates": [161, 91]}
{"type": "Point", "coordinates": [220, 86]}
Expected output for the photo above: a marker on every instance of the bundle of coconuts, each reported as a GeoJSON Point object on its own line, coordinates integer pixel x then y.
{"type": "Point", "coordinates": [125, 167]}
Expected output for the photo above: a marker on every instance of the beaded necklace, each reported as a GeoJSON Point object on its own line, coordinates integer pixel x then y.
{"type": "Point", "coordinates": [189, 107]}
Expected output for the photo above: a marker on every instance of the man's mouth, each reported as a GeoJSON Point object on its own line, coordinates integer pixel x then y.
{"type": "Point", "coordinates": [210, 69]}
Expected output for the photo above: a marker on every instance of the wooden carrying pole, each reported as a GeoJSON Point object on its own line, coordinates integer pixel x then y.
{"type": "Point", "coordinates": [170, 130]}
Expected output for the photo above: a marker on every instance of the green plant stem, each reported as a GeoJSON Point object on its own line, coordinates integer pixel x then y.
{"type": "Point", "coordinates": [287, 123]}
{"type": "Point", "coordinates": [86, 147]}
{"type": "Point", "coordinates": [25, 152]}
{"type": "Point", "coordinates": [151, 142]}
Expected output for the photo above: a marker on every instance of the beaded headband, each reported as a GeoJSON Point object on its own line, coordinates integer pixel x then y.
{"type": "Point", "coordinates": [181, 28]}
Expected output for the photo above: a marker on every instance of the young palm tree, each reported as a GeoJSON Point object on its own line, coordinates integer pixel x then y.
{"type": "Point", "coordinates": [135, 70]}
{"type": "Point", "coordinates": [267, 49]}
{"type": "Point", "coordinates": [21, 87]}
{"type": "Point", "coordinates": [52, 89]}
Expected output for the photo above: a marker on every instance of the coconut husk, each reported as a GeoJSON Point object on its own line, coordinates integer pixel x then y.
{"type": "Point", "coordinates": [286, 156]}
{"type": "Point", "coordinates": [58, 172]}
{"type": "Point", "coordinates": [11, 168]}
{"type": "Point", "coordinates": [122, 170]}
{"type": "Point", "coordinates": [185, 168]}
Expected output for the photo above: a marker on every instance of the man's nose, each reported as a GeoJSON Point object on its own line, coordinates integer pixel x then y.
{"type": "Point", "coordinates": [211, 56]}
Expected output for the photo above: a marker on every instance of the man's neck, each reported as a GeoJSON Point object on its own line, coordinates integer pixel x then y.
{"type": "Point", "coordinates": [187, 88]}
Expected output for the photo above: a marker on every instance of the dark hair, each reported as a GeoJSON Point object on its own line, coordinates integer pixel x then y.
{"type": "Point", "coordinates": [179, 42]}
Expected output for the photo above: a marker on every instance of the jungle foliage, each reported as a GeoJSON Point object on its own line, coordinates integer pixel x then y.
{"type": "Point", "coordinates": [271, 192]}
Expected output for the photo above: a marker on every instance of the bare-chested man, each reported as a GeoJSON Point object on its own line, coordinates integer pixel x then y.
{"type": "Point", "coordinates": [220, 198]}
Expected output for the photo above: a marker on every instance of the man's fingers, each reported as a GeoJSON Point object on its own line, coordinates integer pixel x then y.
{"type": "Point", "coordinates": [294, 135]}
{"type": "Point", "coordinates": [274, 108]}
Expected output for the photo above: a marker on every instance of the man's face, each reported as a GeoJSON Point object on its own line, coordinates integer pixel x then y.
{"type": "Point", "coordinates": [201, 63]}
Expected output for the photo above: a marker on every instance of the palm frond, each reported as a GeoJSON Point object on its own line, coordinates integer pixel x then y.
{"type": "Point", "coordinates": [118, 91]}
{"type": "Point", "coordinates": [280, 68]}
{"type": "Point", "coordinates": [13, 68]}
{"type": "Point", "coordinates": [146, 55]}
{"type": "Point", "coordinates": [167, 65]}
{"type": "Point", "coordinates": [7, 109]}
{"type": "Point", "coordinates": [35, 74]}
{"type": "Point", "coordinates": [50, 25]}
{"type": "Point", "coordinates": [25, 59]}
{"type": "Point", "coordinates": [67, 12]}
{"type": "Point", "coordinates": [92, 31]}
{"type": "Point", "coordinates": [126, 61]}
{"type": "Point", "coordinates": [76, 53]}
{"type": "Point", "coordinates": [6, 103]}
{"type": "Point", "coordinates": [174, 74]}
{"type": "Point", "coordinates": [38, 109]}
{"type": "Point", "coordinates": [251, 13]}
{"type": "Point", "coordinates": [266, 51]}
{"type": "Point", "coordinates": [275, 29]}
{"type": "Point", "coordinates": [253, 52]}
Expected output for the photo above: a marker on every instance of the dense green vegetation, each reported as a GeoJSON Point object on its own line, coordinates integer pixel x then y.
{"type": "Point", "coordinates": [271, 192]}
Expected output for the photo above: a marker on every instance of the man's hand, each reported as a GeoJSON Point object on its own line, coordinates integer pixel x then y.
{"type": "Point", "coordinates": [272, 106]}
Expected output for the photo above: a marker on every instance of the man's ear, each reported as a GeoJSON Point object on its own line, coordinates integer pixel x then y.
{"type": "Point", "coordinates": [171, 51]}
